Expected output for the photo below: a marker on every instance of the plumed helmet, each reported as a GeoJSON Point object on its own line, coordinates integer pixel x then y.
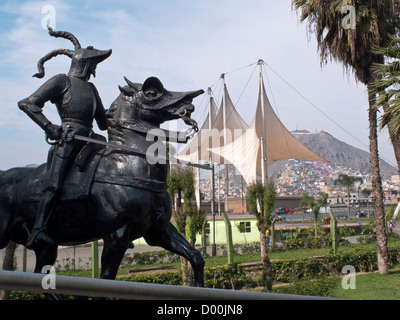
{"type": "Point", "coordinates": [84, 60]}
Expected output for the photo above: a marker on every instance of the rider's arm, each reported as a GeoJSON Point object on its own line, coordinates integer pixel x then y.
{"type": "Point", "coordinates": [51, 90]}
{"type": "Point", "coordinates": [100, 114]}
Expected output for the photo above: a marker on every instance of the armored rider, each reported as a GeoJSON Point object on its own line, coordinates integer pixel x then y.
{"type": "Point", "coordinates": [78, 104]}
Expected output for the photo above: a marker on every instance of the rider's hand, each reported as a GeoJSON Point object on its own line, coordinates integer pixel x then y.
{"type": "Point", "coordinates": [53, 131]}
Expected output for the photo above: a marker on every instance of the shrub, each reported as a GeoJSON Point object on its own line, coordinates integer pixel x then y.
{"type": "Point", "coordinates": [224, 277]}
{"type": "Point", "coordinates": [247, 248]}
{"type": "Point", "coordinates": [147, 258]}
{"type": "Point", "coordinates": [231, 276]}
{"type": "Point", "coordinates": [362, 260]}
{"type": "Point", "coordinates": [307, 242]}
{"type": "Point", "coordinates": [169, 277]}
{"type": "Point", "coordinates": [320, 287]}
{"type": "Point", "coordinates": [294, 270]}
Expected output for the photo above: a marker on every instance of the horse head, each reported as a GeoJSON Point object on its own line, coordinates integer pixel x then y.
{"type": "Point", "coordinates": [141, 107]}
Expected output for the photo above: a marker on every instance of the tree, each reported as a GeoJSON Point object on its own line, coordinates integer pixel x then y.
{"type": "Point", "coordinates": [8, 264]}
{"type": "Point", "coordinates": [347, 182]}
{"type": "Point", "coordinates": [241, 226]}
{"type": "Point", "coordinates": [351, 44]}
{"type": "Point", "coordinates": [367, 192]}
{"type": "Point", "coordinates": [387, 87]}
{"type": "Point", "coordinates": [315, 204]}
{"type": "Point", "coordinates": [196, 223]}
{"type": "Point", "coordinates": [181, 186]}
{"type": "Point", "coordinates": [180, 183]}
{"type": "Point", "coordinates": [261, 199]}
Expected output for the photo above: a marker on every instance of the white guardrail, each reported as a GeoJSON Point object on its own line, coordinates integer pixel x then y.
{"type": "Point", "coordinates": [48, 283]}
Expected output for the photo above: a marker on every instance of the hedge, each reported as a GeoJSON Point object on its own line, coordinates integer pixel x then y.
{"type": "Point", "coordinates": [224, 277]}
{"type": "Point", "coordinates": [234, 276]}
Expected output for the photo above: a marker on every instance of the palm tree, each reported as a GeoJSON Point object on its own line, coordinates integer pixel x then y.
{"type": "Point", "coordinates": [315, 204]}
{"type": "Point", "coordinates": [347, 182]}
{"type": "Point", "coordinates": [261, 199]}
{"type": "Point", "coordinates": [351, 46]}
{"type": "Point", "coordinates": [388, 84]}
{"type": "Point", "coordinates": [388, 88]}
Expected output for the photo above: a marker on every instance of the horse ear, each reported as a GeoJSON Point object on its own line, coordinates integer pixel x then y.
{"type": "Point", "coordinates": [127, 90]}
{"type": "Point", "coordinates": [134, 86]}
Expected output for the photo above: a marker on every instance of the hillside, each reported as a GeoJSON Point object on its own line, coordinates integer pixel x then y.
{"type": "Point", "coordinates": [338, 152]}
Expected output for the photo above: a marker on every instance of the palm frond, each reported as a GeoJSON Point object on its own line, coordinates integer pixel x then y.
{"type": "Point", "coordinates": [375, 20]}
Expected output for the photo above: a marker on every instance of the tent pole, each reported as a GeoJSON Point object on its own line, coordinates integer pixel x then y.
{"type": "Point", "coordinates": [210, 154]}
{"type": "Point", "coordinates": [219, 186]}
{"type": "Point", "coordinates": [198, 191]}
{"type": "Point", "coordinates": [213, 247]}
{"type": "Point", "coordinates": [264, 164]}
{"type": "Point", "coordinates": [212, 183]}
{"type": "Point", "coordinates": [225, 143]}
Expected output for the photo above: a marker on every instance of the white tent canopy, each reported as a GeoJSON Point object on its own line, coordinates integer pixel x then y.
{"type": "Point", "coordinates": [226, 123]}
{"type": "Point", "coordinates": [197, 148]}
{"type": "Point", "coordinates": [245, 151]}
{"type": "Point", "coordinates": [232, 141]}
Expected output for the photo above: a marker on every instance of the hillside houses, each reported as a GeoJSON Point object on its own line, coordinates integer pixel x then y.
{"type": "Point", "coordinates": [298, 177]}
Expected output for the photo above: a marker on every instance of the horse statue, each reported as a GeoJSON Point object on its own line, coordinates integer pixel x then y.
{"type": "Point", "coordinates": [115, 191]}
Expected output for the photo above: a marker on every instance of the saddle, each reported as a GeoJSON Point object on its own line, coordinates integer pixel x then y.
{"type": "Point", "coordinates": [79, 180]}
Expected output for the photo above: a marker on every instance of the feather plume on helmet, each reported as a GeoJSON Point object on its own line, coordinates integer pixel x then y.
{"type": "Point", "coordinates": [84, 60]}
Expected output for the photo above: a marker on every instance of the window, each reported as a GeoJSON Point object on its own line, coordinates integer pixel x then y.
{"type": "Point", "coordinates": [207, 229]}
{"type": "Point", "coordinates": [245, 227]}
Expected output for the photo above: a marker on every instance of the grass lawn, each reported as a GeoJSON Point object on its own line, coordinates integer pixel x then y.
{"type": "Point", "coordinates": [368, 286]}
{"type": "Point", "coordinates": [372, 286]}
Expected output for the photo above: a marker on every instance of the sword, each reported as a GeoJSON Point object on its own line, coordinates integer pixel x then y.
{"type": "Point", "coordinates": [154, 159]}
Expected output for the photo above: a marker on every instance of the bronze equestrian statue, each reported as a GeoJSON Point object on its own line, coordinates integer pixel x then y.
{"type": "Point", "coordinates": [117, 192]}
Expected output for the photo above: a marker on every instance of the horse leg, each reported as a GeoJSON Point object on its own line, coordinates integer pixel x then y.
{"type": "Point", "coordinates": [46, 256]}
{"type": "Point", "coordinates": [115, 246]}
{"type": "Point", "coordinates": [5, 234]}
{"type": "Point", "coordinates": [171, 240]}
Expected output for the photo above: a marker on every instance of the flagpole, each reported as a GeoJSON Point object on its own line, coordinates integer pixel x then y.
{"type": "Point", "coordinates": [264, 165]}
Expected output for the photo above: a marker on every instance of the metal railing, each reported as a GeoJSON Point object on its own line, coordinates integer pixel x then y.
{"type": "Point", "coordinates": [33, 282]}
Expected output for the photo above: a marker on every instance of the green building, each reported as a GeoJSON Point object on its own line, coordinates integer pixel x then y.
{"type": "Point", "coordinates": [244, 229]}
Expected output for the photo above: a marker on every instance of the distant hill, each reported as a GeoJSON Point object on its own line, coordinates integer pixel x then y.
{"type": "Point", "coordinates": [338, 152]}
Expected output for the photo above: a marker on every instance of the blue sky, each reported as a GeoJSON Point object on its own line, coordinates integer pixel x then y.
{"type": "Point", "coordinates": [187, 45]}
